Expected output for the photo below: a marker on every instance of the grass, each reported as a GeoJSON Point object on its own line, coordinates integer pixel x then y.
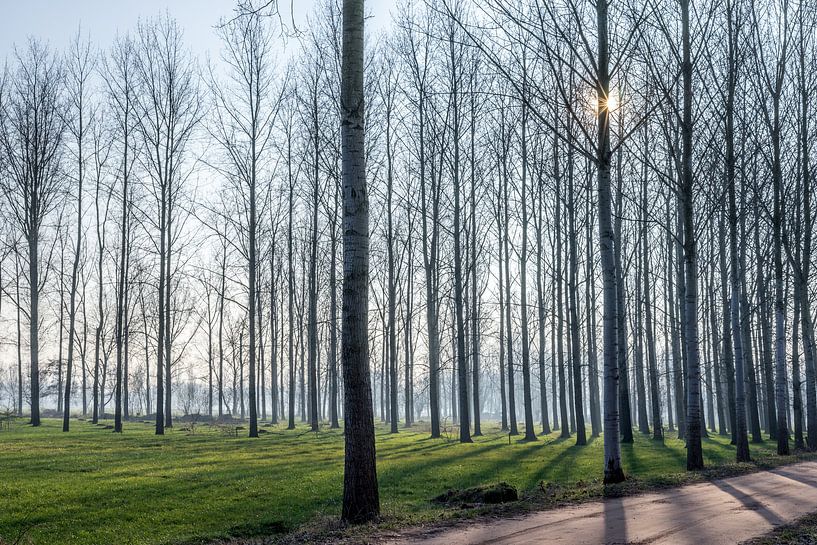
{"type": "Point", "coordinates": [801, 532]}
{"type": "Point", "coordinates": [94, 487]}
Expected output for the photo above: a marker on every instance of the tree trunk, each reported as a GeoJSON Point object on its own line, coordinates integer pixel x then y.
{"type": "Point", "coordinates": [508, 303]}
{"type": "Point", "coordinates": [626, 420]}
{"type": "Point", "coordinates": [573, 302]}
{"type": "Point", "coordinates": [475, 321]}
{"type": "Point", "coordinates": [613, 473]}
{"type": "Point", "coordinates": [34, 323]}
{"type": "Point", "coordinates": [695, 458]}
{"type": "Point", "coordinates": [361, 502]}
{"type": "Point", "coordinates": [540, 294]}
{"type": "Point", "coordinates": [530, 433]}
{"type": "Point", "coordinates": [462, 369]}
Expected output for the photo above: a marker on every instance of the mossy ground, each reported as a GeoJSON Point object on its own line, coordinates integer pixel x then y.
{"type": "Point", "coordinates": [94, 487]}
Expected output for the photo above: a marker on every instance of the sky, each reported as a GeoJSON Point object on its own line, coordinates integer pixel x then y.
{"type": "Point", "coordinates": [57, 21]}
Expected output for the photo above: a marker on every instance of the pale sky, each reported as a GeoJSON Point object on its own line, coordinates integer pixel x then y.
{"type": "Point", "coordinates": [56, 21]}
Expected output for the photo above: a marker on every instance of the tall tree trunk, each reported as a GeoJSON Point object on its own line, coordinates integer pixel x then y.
{"type": "Point", "coordinates": [392, 281]}
{"type": "Point", "coordinates": [804, 261]}
{"type": "Point", "coordinates": [559, 280]}
{"type": "Point", "coordinates": [291, 285]}
{"type": "Point", "coordinates": [508, 303]}
{"type": "Point", "coordinates": [590, 321]}
{"type": "Point", "coordinates": [739, 412]}
{"type": "Point", "coordinates": [695, 458]}
{"type": "Point", "coordinates": [252, 287]}
{"type": "Point", "coordinates": [573, 302]}
{"type": "Point", "coordinates": [764, 335]}
{"type": "Point", "coordinates": [462, 369]}
{"type": "Point", "coordinates": [313, 276]}
{"type": "Point", "coordinates": [34, 323]}
{"type": "Point", "coordinates": [333, 319]}
{"type": "Point", "coordinates": [100, 235]}
{"type": "Point", "coordinates": [745, 328]}
{"type": "Point", "coordinates": [72, 295]}
{"type": "Point", "coordinates": [638, 340]}
{"type": "Point", "coordinates": [500, 282]}
{"type": "Point", "coordinates": [540, 295]}
{"type": "Point", "coordinates": [361, 501]}
{"type": "Point", "coordinates": [780, 379]}
{"type": "Point", "coordinates": [530, 433]}
{"type": "Point", "coordinates": [475, 321]}
{"type": "Point", "coordinates": [626, 419]}
{"type": "Point", "coordinates": [273, 329]}
{"type": "Point", "coordinates": [17, 302]}
{"type": "Point", "coordinates": [430, 237]}
{"type": "Point", "coordinates": [168, 336]}
{"type": "Point", "coordinates": [122, 287]}
{"type": "Point", "coordinates": [649, 322]}
{"type": "Point", "coordinates": [222, 295]}
{"type": "Point", "coordinates": [726, 336]}
{"type": "Point", "coordinates": [160, 417]}
{"type": "Point", "coordinates": [613, 473]}
{"type": "Point", "coordinates": [61, 321]}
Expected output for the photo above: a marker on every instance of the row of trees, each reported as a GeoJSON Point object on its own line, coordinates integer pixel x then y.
{"type": "Point", "coordinates": [569, 199]}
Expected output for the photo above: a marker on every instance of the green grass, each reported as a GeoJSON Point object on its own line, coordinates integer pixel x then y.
{"type": "Point", "coordinates": [94, 487]}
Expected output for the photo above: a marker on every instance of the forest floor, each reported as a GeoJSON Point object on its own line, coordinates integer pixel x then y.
{"type": "Point", "coordinates": [200, 485]}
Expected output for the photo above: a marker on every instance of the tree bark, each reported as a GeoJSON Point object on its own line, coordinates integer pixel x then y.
{"type": "Point", "coordinates": [361, 502]}
{"type": "Point", "coordinates": [613, 472]}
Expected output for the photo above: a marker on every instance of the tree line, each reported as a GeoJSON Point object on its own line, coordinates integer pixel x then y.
{"type": "Point", "coordinates": [566, 215]}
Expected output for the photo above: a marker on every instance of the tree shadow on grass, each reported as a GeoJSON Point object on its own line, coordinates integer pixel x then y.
{"type": "Point", "coordinates": [717, 452]}
{"type": "Point", "coordinates": [556, 469]}
{"type": "Point", "coordinates": [409, 449]}
{"type": "Point", "coordinates": [431, 466]}
{"type": "Point", "coordinates": [636, 457]}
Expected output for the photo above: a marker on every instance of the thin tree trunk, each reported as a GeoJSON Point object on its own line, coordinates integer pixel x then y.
{"type": "Point", "coordinates": [573, 302]}
{"type": "Point", "coordinates": [530, 433]}
{"type": "Point", "coordinates": [475, 321]}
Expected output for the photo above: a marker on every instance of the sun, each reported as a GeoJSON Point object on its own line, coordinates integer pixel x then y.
{"type": "Point", "coordinates": [611, 103]}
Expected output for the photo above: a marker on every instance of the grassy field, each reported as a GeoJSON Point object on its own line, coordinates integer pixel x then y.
{"type": "Point", "coordinates": [94, 487]}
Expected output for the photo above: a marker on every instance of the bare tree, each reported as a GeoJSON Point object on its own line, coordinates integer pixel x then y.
{"type": "Point", "coordinates": [80, 68]}
{"type": "Point", "coordinates": [245, 109]}
{"type": "Point", "coordinates": [31, 138]}
{"type": "Point", "coordinates": [120, 77]}
{"type": "Point", "coordinates": [168, 108]}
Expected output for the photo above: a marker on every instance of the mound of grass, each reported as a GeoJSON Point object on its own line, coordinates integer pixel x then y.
{"type": "Point", "coordinates": [490, 494]}
{"type": "Point", "coordinates": [92, 486]}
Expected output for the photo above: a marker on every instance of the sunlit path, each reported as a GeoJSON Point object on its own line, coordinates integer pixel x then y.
{"type": "Point", "coordinates": [722, 512]}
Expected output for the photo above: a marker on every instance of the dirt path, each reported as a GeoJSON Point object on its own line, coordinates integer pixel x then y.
{"type": "Point", "coordinates": [727, 511]}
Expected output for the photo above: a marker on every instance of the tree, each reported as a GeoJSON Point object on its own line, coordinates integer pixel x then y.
{"type": "Point", "coordinates": [613, 472]}
{"type": "Point", "coordinates": [695, 458]}
{"type": "Point", "coordinates": [773, 46]}
{"type": "Point", "coordinates": [168, 108]}
{"type": "Point", "coordinates": [80, 67]}
{"type": "Point", "coordinates": [31, 138]}
{"type": "Point", "coordinates": [120, 78]}
{"type": "Point", "coordinates": [361, 502]}
{"type": "Point", "coordinates": [245, 110]}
